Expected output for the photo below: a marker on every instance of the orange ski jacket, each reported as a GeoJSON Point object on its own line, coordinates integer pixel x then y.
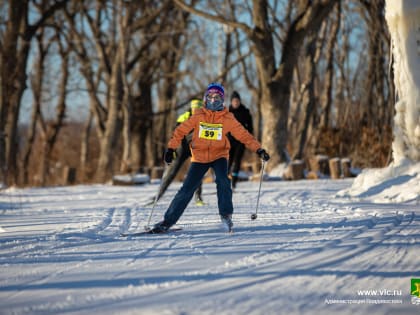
{"type": "Point", "coordinates": [209, 140]}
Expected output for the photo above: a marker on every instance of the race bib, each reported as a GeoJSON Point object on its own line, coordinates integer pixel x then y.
{"type": "Point", "coordinates": [210, 131]}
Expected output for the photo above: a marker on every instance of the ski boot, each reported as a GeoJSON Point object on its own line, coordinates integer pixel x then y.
{"type": "Point", "coordinates": [227, 222]}
{"type": "Point", "coordinates": [199, 201]}
{"type": "Point", "coordinates": [158, 228]}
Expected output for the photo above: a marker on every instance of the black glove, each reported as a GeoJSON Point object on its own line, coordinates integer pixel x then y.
{"type": "Point", "coordinates": [169, 155]}
{"type": "Point", "coordinates": [263, 155]}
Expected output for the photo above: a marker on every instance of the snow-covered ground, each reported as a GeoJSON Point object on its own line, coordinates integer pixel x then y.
{"type": "Point", "coordinates": [310, 251]}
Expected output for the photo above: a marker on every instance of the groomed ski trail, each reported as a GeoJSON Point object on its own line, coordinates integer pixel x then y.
{"type": "Point", "coordinates": [61, 252]}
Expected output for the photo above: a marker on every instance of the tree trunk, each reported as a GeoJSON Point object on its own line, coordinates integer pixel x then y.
{"type": "Point", "coordinates": [142, 130]}
{"type": "Point", "coordinates": [126, 160]}
{"type": "Point", "coordinates": [14, 54]}
{"type": "Point", "coordinates": [84, 147]}
{"type": "Point", "coordinates": [113, 123]}
{"type": "Point", "coordinates": [274, 113]}
{"type": "Point", "coordinates": [329, 72]}
{"type": "Point", "coordinates": [309, 96]}
{"type": "Point", "coordinates": [127, 112]}
{"type": "Point", "coordinates": [52, 131]}
{"type": "Point", "coordinates": [276, 83]}
{"type": "Point", "coordinates": [37, 84]}
{"type": "Point", "coordinates": [373, 98]}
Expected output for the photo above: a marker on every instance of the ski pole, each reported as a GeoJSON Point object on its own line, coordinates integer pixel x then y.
{"type": "Point", "coordinates": [147, 227]}
{"type": "Point", "coordinates": [254, 215]}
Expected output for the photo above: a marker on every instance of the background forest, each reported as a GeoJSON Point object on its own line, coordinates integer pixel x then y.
{"type": "Point", "coordinates": [96, 86]}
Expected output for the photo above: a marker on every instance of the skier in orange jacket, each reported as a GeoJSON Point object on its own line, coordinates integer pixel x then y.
{"type": "Point", "coordinates": [209, 149]}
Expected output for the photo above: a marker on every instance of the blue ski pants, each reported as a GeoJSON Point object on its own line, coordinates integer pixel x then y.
{"type": "Point", "coordinates": [195, 174]}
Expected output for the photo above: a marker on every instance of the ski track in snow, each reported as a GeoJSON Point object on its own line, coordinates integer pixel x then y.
{"type": "Point", "coordinates": [60, 252]}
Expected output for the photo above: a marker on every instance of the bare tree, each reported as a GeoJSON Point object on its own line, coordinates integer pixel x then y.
{"type": "Point", "coordinates": [15, 45]}
{"type": "Point", "coordinates": [327, 96]}
{"type": "Point", "coordinates": [275, 79]}
{"type": "Point", "coordinates": [375, 105]}
{"type": "Point", "coordinates": [118, 53]}
{"type": "Point", "coordinates": [171, 46]}
{"type": "Point", "coordinates": [51, 129]}
{"type": "Point", "coordinates": [311, 59]}
{"type": "Point", "coordinates": [36, 79]}
{"type": "Point", "coordinates": [85, 151]}
{"type": "Point", "coordinates": [142, 61]}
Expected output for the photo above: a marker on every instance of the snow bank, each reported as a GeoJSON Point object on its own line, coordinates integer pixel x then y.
{"type": "Point", "coordinates": [61, 253]}
{"type": "Point", "coordinates": [400, 182]}
{"type": "Point", "coordinates": [137, 179]}
{"type": "Point", "coordinates": [278, 171]}
{"type": "Point", "coordinates": [394, 184]}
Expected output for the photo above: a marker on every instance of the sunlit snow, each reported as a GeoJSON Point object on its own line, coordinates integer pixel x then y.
{"type": "Point", "coordinates": [308, 252]}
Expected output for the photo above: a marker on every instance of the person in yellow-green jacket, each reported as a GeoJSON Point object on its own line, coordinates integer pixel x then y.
{"type": "Point", "coordinates": [183, 153]}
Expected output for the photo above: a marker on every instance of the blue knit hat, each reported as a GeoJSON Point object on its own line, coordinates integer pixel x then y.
{"type": "Point", "coordinates": [215, 88]}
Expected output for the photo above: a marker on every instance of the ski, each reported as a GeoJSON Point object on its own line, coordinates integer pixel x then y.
{"type": "Point", "coordinates": [149, 232]}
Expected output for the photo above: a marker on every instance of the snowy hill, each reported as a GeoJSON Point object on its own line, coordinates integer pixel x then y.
{"type": "Point", "coordinates": [309, 252]}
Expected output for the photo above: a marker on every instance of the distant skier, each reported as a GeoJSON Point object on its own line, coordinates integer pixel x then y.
{"type": "Point", "coordinates": [237, 149]}
{"type": "Point", "coordinates": [183, 153]}
{"type": "Point", "coordinates": [210, 149]}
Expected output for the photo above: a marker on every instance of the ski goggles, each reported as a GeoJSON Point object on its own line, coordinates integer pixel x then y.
{"type": "Point", "coordinates": [214, 97]}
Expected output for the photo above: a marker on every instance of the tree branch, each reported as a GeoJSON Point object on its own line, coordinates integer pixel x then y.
{"type": "Point", "coordinates": [31, 30]}
{"type": "Point", "coordinates": [216, 18]}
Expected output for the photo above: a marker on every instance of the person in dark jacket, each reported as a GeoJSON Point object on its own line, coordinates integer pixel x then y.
{"type": "Point", "coordinates": [237, 149]}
